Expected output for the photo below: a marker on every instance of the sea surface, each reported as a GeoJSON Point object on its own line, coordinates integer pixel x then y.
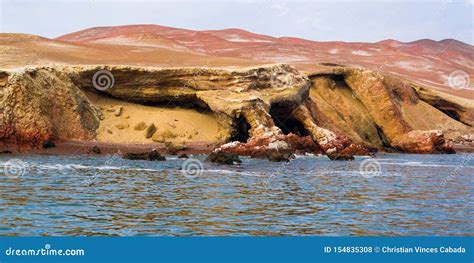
{"type": "Point", "coordinates": [392, 194]}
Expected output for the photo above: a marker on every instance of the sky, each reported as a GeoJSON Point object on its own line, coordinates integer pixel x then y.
{"type": "Point", "coordinates": [354, 21]}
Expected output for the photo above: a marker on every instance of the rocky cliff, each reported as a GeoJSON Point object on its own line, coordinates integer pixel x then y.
{"type": "Point", "coordinates": [384, 111]}
{"type": "Point", "coordinates": [338, 110]}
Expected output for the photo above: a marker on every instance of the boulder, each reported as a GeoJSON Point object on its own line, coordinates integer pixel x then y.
{"type": "Point", "coordinates": [418, 141]}
{"type": "Point", "coordinates": [140, 126]}
{"type": "Point", "coordinates": [277, 147]}
{"type": "Point", "coordinates": [118, 111]}
{"type": "Point", "coordinates": [122, 126]}
{"type": "Point", "coordinates": [48, 144]}
{"type": "Point", "coordinates": [150, 130]}
{"type": "Point", "coordinates": [163, 135]}
{"type": "Point", "coordinates": [220, 157]}
{"type": "Point", "coordinates": [95, 150]}
{"type": "Point", "coordinates": [339, 156]}
{"type": "Point", "coordinates": [153, 155]}
{"type": "Point", "coordinates": [173, 148]}
{"type": "Point", "coordinates": [273, 156]}
{"type": "Point", "coordinates": [183, 156]}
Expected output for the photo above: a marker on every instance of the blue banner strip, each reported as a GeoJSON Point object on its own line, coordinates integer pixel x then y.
{"type": "Point", "coordinates": [236, 249]}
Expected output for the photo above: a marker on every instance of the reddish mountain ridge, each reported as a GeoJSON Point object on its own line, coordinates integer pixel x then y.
{"type": "Point", "coordinates": [424, 61]}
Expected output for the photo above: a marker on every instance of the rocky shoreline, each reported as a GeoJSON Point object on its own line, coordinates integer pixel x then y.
{"type": "Point", "coordinates": [92, 148]}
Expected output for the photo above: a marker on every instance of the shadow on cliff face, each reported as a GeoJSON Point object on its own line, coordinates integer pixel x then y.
{"type": "Point", "coordinates": [185, 102]}
{"type": "Point", "coordinates": [283, 118]}
{"type": "Point", "coordinates": [359, 103]}
{"type": "Point", "coordinates": [240, 130]}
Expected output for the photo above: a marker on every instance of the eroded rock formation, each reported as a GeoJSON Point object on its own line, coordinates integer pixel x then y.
{"type": "Point", "coordinates": [340, 111]}
{"type": "Point", "coordinates": [38, 104]}
{"type": "Point", "coordinates": [383, 111]}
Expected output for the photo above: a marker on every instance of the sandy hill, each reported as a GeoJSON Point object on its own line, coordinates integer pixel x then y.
{"type": "Point", "coordinates": [424, 61]}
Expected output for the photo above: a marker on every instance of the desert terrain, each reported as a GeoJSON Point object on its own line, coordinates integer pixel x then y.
{"type": "Point", "coordinates": [236, 90]}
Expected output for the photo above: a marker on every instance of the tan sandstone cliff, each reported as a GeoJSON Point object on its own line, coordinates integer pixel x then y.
{"type": "Point", "coordinates": [339, 110]}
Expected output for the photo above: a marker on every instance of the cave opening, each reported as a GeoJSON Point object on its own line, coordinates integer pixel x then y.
{"type": "Point", "coordinates": [190, 102]}
{"type": "Point", "coordinates": [283, 118]}
{"type": "Point", "coordinates": [449, 109]}
{"type": "Point", "coordinates": [339, 79]}
{"type": "Point", "coordinates": [240, 130]}
{"type": "Point", "coordinates": [185, 102]}
{"type": "Point", "coordinates": [453, 114]}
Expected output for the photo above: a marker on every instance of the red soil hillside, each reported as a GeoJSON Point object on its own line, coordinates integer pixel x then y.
{"type": "Point", "coordinates": [425, 61]}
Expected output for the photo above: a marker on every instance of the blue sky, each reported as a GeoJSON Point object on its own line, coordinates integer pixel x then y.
{"type": "Point", "coordinates": [364, 21]}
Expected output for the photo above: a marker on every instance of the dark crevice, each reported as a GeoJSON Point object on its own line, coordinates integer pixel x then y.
{"type": "Point", "coordinates": [383, 138]}
{"type": "Point", "coordinates": [334, 76]}
{"type": "Point", "coordinates": [450, 109]}
{"type": "Point", "coordinates": [330, 64]}
{"type": "Point", "coordinates": [282, 117]}
{"type": "Point", "coordinates": [186, 102]}
{"type": "Point", "coordinates": [339, 79]}
{"type": "Point", "coordinates": [451, 113]}
{"type": "Point", "coordinates": [240, 130]}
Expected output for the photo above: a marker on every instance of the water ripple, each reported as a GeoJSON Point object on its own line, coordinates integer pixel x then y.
{"type": "Point", "coordinates": [311, 195]}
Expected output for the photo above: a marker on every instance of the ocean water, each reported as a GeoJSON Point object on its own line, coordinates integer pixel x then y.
{"type": "Point", "coordinates": [393, 194]}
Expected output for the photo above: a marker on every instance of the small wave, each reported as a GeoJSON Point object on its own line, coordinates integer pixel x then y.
{"type": "Point", "coordinates": [223, 171]}
{"type": "Point", "coordinates": [421, 164]}
{"type": "Point", "coordinates": [59, 166]}
{"type": "Point", "coordinates": [86, 167]}
{"type": "Point", "coordinates": [310, 156]}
